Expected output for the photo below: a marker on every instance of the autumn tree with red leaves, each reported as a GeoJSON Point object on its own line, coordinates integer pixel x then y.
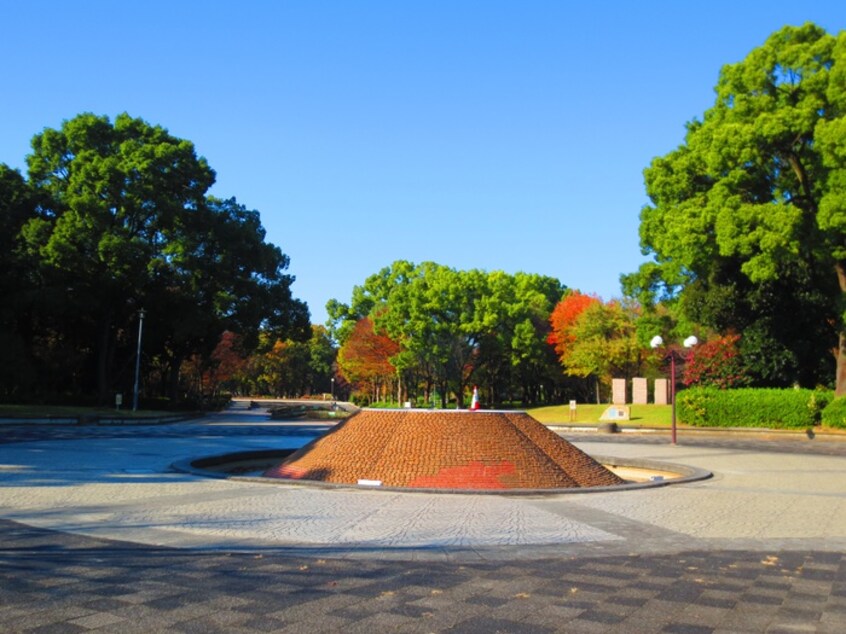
{"type": "Point", "coordinates": [716, 363]}
{"type": "Point", "coordinates": [208, 376]}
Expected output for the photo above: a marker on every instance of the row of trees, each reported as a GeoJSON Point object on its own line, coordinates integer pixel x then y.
{"type": "Point", "coordinates": [428, 333]}
{"type": "Point", "coordinates": [112, 218]}
{"type": "Point", "coordinates": [746, 231]}
{"type": "Point", "coordinates": [281, 368]}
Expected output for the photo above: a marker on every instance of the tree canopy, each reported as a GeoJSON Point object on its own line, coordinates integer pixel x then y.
{"type": "Point", "coordinates": [747, 221]}
{"type": "Point", "coordinates": [115, 217]}
{"type": "Point", "coordinates": [453, 329]}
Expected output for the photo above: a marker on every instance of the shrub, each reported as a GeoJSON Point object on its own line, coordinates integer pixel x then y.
{"type": "Point", "coordinates": [834, 414]}
{"type": "Point", "coordinates": [716, 363]}
{"type": "Point", "coordinates": [750, 407]}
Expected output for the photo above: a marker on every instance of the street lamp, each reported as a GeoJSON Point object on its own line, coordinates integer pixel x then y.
{"type": "Point", "coordinates": [656, 342]}
{"type": "Point", "coordinates": [333, 387]}
{"type": "Point", "coordinates": [141, 314]}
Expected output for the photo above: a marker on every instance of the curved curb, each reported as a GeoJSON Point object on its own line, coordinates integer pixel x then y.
{"type": "Point", "coordinates": [201, 467]}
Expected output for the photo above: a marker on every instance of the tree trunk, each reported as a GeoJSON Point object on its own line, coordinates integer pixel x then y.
{"type": "Point", "coordinates": [103, 358]}
{"type": "Point", "coordinates": [173, 378]}
{"type": "Point", "coordinates": [840, 385]}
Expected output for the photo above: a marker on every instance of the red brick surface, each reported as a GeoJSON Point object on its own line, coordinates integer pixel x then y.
{"type": "Point", "coordinates": [446, 449]}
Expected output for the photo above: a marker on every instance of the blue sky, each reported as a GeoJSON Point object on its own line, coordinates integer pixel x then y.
{"type": "Point", "coordinates": [477, 134]}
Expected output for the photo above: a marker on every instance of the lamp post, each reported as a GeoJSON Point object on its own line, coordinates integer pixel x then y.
{"type": "Point", "coordinates": [656, 342]}
{"type": "Point", "coordinates": [332, 387]}
{"type": "Point", "coordinates": [141, 314]}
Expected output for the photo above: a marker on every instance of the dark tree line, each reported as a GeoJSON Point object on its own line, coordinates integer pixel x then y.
{"type": "Point", "coordinates": [112, 218]}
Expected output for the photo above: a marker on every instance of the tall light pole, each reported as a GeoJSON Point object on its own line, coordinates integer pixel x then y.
{"type": "Point", "coordinates": [333, 387]}
{"type": "Point", "coordinates": [656, 342]}
{"type": "Point", "coordinates": [141, 314]}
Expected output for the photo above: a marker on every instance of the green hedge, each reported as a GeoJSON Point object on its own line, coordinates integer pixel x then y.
{"type": "Point", "coordinates": [752, 407]}
{"type": "Point", "coordinates": [834, 415]}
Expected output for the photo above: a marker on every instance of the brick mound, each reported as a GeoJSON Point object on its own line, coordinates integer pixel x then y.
{"type": "Point", "coordinates": [445, 450]}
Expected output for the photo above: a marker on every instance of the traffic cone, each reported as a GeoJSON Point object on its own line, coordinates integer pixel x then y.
{"type": "Point", "coordinates": [474, 404]}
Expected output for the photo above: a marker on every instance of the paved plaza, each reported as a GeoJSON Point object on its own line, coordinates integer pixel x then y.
{"type": "Point", "coordinates": [100, 533]}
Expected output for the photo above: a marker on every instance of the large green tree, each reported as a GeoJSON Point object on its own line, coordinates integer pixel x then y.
{"type": "Point", "coordinates": [123, 222]}
{"type": "Point", "coordinates": [748, 215]}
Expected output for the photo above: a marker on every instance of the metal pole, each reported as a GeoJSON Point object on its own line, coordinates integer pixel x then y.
{"type": "Point", "coordinates": [673, 394]}
{"type": "Point", "coordinates": [141, 314]}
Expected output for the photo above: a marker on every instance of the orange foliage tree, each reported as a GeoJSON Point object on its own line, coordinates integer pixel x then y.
{"type": "Point", "coordinates": [364, 359]}
{"type": "Point", "coordinates": [564, 317]}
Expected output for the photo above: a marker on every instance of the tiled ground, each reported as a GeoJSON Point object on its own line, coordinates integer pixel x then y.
{"type": "Point", "coordinates": [64, 582]}
{"type": "Point", "coordinates": [53, 582]}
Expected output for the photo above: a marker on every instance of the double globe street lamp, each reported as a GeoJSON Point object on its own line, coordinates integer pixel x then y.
{"type": "Point", "coordinates": [656, 342]}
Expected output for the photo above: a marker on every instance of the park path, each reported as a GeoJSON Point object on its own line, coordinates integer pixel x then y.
{"type": "Point", "coordinates": [100, 534]}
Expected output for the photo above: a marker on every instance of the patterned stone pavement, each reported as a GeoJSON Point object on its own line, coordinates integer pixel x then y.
{"type": "Point", "coordinates": [98, 534]}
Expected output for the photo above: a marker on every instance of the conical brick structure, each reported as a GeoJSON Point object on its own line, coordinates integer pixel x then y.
{"type": "Point", "coordinates": [445, 450]}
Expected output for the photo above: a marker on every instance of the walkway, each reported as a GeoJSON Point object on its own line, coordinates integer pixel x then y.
{"type": "Point", "coordinates": [100, 534]}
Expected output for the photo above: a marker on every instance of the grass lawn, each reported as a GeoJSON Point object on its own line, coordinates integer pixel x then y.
{"type": "Point", "coordinates": [588, 414]}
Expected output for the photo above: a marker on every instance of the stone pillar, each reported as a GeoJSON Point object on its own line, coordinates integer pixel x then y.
{"type": "Point", "coordinates": [640, 391]}
{"type": "Point", "coordinates": [662, 392]}
{"type": "Point", "coordinates": [618, 391]}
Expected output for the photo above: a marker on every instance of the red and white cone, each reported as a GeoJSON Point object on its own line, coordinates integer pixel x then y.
{"type": "Point", "coordinates": [474, 404]}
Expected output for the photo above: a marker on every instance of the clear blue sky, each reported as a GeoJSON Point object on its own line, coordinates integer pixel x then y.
{"type": "Point", "coordinates": [477, 134]}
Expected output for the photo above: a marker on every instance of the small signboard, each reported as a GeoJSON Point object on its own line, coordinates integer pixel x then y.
{"type": "Point", "coordinates": [616, 412]}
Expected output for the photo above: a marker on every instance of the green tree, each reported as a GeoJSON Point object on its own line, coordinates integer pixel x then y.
{"type": "Point", "coordinates": [124, 223]}
{"type": "Point", "coordinates": [217, 273]}
{"type": "Point", "coordinates": [17, 206]}
{"type": "Point", "coordinates": [752, 205]}
{"type": "Point", "coordinates": [514, 357]}
{"type": "Point", "coordinates": [322, 358]}
{"type": "Point", "coordinates": [459, 328]}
